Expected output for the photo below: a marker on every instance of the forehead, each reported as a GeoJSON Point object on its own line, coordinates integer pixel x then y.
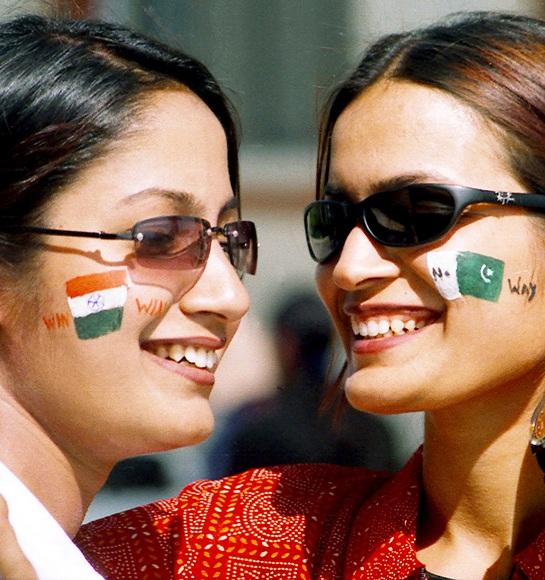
{"type": "Point", "coordinates": [398, 128]}
{"type": "Point", "coordinates": [173, 159]}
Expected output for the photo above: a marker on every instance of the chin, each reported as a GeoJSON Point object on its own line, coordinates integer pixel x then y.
{"type": "Point", "coordinates": [167, 429]}
{"type": "Point", "coordinates": [381, 398]}
{"type": "Point", "coordinates": [185, 430]}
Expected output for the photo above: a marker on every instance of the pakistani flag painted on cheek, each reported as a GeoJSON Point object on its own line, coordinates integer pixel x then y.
{"type": "Point", "coordinates": [458, 274]}
{"type": "Point", "coordinates": [96, 302]}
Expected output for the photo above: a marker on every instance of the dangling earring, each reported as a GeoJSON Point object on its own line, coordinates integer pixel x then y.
{"type": "Point", "coordinates": [537, 434]}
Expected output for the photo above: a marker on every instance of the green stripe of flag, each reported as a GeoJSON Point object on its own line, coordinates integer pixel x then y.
{"type": "Point", "coordinates": [98, 323]}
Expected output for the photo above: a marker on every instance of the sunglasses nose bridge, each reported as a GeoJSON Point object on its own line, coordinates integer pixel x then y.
{"type": "Point", "coordinates": [355, 217]}
{"type": "Point", "coordinates": [215, 232]}
{"type": "Point", "coordinates": [221, 235]}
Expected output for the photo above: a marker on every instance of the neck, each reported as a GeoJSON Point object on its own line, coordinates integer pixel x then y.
{"type": "Point", "coordinates": [484, 492]}
{"type": "Point", "coordinates": [64, 484]}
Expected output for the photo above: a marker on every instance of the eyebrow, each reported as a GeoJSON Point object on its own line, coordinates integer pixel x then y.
{"type": "Point", "coordinates": [187, 200]}
{"type": "Point", "coordinates": [386, 184]}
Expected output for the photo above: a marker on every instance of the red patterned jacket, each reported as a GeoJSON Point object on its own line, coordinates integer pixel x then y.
{"type": "Point", "coordinates": [297, 522]}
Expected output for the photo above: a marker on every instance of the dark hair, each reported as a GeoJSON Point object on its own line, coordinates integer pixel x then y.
{"type": "Point", "coordinates": [67, 90]}
{"type": "Point", "coordinates": [492, 62]}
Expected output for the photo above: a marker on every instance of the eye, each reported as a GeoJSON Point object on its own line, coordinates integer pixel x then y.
{"type": "Point", "coordinates": [156, 241]}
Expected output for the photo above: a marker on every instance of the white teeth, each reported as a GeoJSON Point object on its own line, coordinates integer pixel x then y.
{"type": "Point", "coordinates": [211, 359]}
{"type": "Point", "coordinates": [397, 326]}
{"type": "Point", "coordinates": [162, 351]}
{"type": "Point", "coordinates": [176, 352]}
{"type": "Point", "coordinates": [410, 325]}
{"type": "Point", "coordinates": [372, 328]}
{"type": "Point", "coordinates": [191, 354]}
{"type": "Point", "coordinates": [356, 328]}
{"type": "Point", "coordinates": [199, 356]}
{"type": "Point", "coordinates": [384, 327]}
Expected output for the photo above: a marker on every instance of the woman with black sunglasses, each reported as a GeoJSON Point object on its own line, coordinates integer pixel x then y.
{"type": "Point", "coordinates": [121, 251]}
{"type": "Point", "coordinates": [428, 234]}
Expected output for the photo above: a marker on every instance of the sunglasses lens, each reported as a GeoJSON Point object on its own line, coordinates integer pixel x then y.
{"type": "Point", "coordinates": [326, 228]}
{"type": "Point", "coordinates": [169, 237]}
{"type": "Point", "coordinates": [171, 251]}
{"type": "Point", "coordinates": [242, 246]}
{"type": "Point", "coordinates": [415, 215]}
{"type": "Point", "coordinates": [411, 216]}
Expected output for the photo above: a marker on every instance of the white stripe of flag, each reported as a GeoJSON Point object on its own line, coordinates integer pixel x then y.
{"type": "Point", "coordinates": [94, 302]}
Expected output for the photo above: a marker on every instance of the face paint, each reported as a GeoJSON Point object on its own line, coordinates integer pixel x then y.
{"type": "Point", "coordinates": [153, 307]}
{"type": "Point", "coordinates": [525, 289]}
{"type": "Point", "coordinates": [56, 321]}
{"type": "Point", "coordinates": [458, 274]}
{"type": "Point", "coordinates": [96, 302]}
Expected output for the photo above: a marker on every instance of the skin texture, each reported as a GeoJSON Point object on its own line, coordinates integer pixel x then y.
{"type": "Point", "coordinates": [13, 562]}
{"type": "Point", "coordinates": [78, 406]}
{"type": "Point", "coordinates": [476, 367]}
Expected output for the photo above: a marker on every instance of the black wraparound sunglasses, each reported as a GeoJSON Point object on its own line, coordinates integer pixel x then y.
{"type": "Point", "coordinates": [175, 247]}
{"type": "Point", "coordinates": [414, 215]}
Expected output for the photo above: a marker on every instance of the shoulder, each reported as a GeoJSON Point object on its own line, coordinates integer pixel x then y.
{"type": "Point", "coordinates": [136, 543]}
{"type": "Point", "coordinates": [310, 486]}
{"type": "Point", "coordinates": [271, 520]}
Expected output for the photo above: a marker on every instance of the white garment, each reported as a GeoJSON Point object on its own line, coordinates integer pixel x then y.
{"type": "Point", "coordinates": [47, 546]}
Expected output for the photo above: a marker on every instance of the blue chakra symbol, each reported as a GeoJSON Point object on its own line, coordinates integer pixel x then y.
{"type": "Point", "coordinates": [95, 302]}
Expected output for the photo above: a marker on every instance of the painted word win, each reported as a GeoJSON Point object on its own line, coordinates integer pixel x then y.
{"type": "Point", "coordinates": [152, 307]}
{"type": "Point", "coordinates": [56, 321]}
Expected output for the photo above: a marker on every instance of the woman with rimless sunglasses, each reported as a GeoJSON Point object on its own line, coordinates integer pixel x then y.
{"type": "Point", "coordinates": [429, 235]}
{"type": "Point", "coordinates": [122, 251]}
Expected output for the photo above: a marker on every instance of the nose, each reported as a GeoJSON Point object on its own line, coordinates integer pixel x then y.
{"type": "Point", "coordinates": [361, 261]}
{"type": "Point", "coordinates": [218, 291]}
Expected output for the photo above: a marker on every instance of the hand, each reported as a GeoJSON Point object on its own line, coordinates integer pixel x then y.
{"type": "Point", "coordinates": [13, 563]}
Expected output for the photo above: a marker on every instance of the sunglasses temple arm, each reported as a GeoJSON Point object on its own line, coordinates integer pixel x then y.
{"type": "Point", "coordinates": [70, 233]}
{"type": "Point", "coordinates": [531, 200]}
{"type": "Point", "coordinates": [505, 198]}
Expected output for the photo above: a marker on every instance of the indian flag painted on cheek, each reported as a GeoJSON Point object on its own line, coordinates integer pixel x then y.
{"type": "Point", "coordinates": [96, 302]}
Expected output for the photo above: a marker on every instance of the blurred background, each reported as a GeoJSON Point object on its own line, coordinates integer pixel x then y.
{"type": "Point", "coordinates": [277, 59]}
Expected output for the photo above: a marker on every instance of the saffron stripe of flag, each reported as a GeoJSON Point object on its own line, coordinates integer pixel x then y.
{"type": "Point", "coordinates": [95, 282]}
{"type": "Point", "coordinates": [96, 302]}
